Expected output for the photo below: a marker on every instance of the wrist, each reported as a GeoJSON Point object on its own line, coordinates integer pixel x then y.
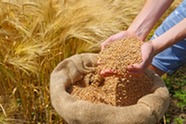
{"type": "Point", "coordinates": [155, 47]}
{"type": "Point", "coordinates": [135, 32]}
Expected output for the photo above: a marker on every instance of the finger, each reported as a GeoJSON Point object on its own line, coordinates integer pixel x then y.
{"type": "Point", "coordinates": [103, 47]}
{"type": "Point", "coordinates": [107, 42]}
{"type": "Point", "coordinates": [107, 72]}
{"type": "Point", "coordinates": [130, 67]}
{"type": "Point", "coordinates": [134, 67]}
{"type": "Point", "coordinates": [104, 44]}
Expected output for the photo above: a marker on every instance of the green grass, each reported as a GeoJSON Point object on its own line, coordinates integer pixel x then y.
{"type": "Point", "coordinates": [176, 84]}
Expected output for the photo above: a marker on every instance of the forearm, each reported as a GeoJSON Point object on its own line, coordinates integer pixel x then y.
{"type": "Point", "coordinates": [148, 16]}
{"type": "Point", "coordinates": [169, 38]}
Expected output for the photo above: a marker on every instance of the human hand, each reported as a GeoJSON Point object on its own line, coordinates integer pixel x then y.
{"type": "Point", "coordinates": [118, 36]}
{"type": "Point", "coordinates": [147, 52]}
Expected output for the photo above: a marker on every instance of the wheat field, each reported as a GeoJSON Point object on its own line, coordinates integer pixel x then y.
{"type": "Point", "coordinates": [35, 35]}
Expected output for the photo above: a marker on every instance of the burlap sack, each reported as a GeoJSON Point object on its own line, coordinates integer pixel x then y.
{"type": "Point", "coordinates": [148, 110]}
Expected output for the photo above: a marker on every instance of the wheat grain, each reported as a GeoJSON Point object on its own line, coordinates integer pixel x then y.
{"type": "Point", "coordinates": [120, 89]}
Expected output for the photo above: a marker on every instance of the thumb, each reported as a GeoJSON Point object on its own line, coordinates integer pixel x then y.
{"type": "Point", "coordinates": [135, 67]}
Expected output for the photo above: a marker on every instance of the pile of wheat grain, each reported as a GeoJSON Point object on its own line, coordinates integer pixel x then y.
{"type": "Point", "coordinates": [118, 90]}
{"type": "Point", "coordinates": [119, 54]}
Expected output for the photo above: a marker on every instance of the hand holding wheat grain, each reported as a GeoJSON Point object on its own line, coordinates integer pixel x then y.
{"type": "Point", "coordinates": [115, 58]}
{"type": "Point", "coordinates": [115, 37]}
{"type": "Point", "coordinates": [147, 52]}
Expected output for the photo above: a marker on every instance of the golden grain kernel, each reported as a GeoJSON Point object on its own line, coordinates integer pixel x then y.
{"type": "Point", "coordinates": [115, 90]}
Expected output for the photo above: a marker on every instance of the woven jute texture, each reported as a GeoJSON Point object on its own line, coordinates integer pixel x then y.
{"type": "Point", "coordinates": [149, 109]}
